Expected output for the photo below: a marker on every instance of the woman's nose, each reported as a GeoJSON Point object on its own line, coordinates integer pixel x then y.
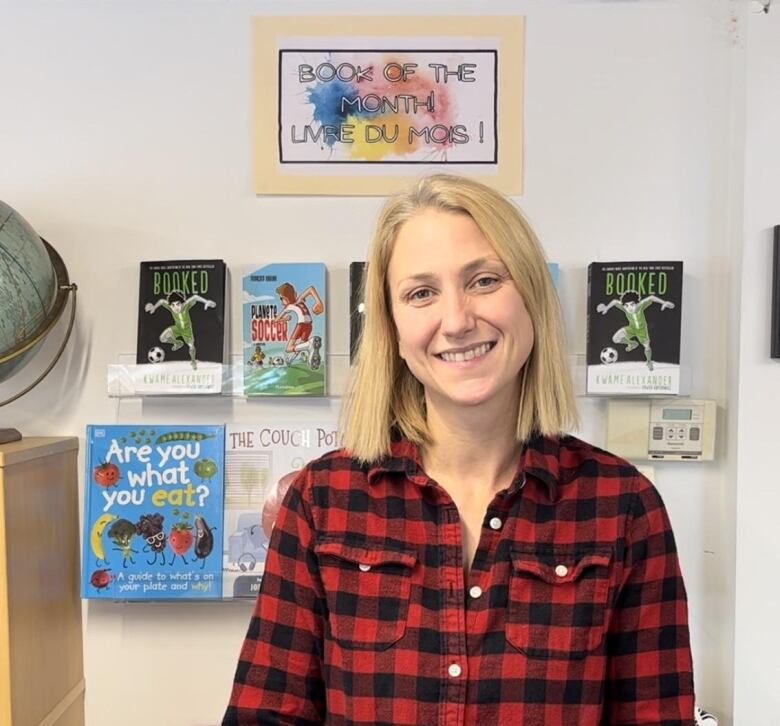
{"type": "Point", "coordinates": [457, 315]}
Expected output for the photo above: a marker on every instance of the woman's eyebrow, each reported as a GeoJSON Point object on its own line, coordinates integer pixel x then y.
{"type": "Point", "coordinates": [474, 265]}
{"type": "Point", "coordinates": [467, 269]}
{"type": "Point", "coordinates": [418, 277]}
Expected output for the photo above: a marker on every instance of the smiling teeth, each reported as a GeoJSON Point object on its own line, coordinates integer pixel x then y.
{"type": "Point", "coordinates": [468, 354]}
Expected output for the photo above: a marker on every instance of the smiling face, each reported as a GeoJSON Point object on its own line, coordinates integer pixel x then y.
{"type": "Point", "coordinates": [461, 323]}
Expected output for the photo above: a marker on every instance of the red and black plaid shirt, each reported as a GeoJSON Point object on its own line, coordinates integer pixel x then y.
{"type": "Point", "coordinates": [574, 612]}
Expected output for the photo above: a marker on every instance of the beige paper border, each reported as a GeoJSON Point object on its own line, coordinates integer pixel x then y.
{"type": "Point", "coordinates": [270, 179]}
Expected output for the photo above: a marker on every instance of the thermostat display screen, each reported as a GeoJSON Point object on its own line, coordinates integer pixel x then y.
{"type": "Point", "coordinates": [677, 414]}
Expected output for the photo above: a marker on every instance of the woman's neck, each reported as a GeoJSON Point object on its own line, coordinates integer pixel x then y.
{"type": "Point", "coordinates": [478, 441]}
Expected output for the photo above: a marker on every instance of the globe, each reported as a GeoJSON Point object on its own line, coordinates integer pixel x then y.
{"type": "Point", "coordinates": [34, 286]}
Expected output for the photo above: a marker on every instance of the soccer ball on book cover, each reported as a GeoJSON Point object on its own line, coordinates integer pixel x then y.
{"type": "Point", "coordinates": [609, 355]}
{"type": "Point", "coordinates": [703, 718]}
{"type": "Point", "coordinates": [156, 355]}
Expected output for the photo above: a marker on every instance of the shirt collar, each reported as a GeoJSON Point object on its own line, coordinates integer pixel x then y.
{"type": "Point", "coordinates": [540, 459]}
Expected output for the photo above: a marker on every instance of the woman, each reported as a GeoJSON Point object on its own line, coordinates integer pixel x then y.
{"type": "Point", "coordinates": [462, 560]}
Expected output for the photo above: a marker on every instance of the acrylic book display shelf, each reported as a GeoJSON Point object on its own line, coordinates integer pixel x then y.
{"type": "Point", "coordinates": [127, 379]}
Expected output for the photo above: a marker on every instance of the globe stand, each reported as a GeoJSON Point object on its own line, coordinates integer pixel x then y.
{"type": "Point", "coordinates": [64, 289]}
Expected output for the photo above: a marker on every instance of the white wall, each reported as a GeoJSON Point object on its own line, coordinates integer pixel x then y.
{"type": "Point", "coordinates": [125, 135]}
{"type": "Point", "coordinates": [757, 673]}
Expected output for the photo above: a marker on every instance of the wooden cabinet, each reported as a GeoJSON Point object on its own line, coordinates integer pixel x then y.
{"type": "Point", "coordinates": [41, 666]}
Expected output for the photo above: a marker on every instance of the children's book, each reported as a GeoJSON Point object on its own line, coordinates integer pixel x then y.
{"type": "Point", "coordinates": [260, 464]}
{"type": "Point", "coordinates": [555, 273]}
{"type": "Point", "coordinates": [774, 347]}
{"type": "Point", "coordinates": [634, 324]}
{"type": "Point", "coordinates": [357, 271]}
{"type": "Point", "coordinates": [284, 311]}
{"type": "Point", "coordinates": [181, 327]}
{"type": "Point", "coordinates": [153, 503]}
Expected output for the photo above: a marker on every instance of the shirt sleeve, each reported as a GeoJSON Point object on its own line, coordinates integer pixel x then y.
{"type": "Point", "coordinates": [649, 667]}
{"type": "Point", "coordinates": [279, 675]}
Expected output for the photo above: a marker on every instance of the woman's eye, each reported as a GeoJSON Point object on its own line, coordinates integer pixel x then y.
{"type": "Point", "coordinates": [486, 281]}
{"type": "Point", "coordinates": [422, 294]}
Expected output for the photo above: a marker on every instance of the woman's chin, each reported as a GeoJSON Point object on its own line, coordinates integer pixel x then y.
{"type": "Point", "coordinates": [471, 396]}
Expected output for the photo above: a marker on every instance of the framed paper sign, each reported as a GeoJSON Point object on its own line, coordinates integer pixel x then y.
{"type": "Point", "coordinates": [379, 100]}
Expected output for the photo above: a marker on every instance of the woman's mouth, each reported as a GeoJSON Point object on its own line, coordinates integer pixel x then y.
{"type": "Point", "coordinates": [466, 354]}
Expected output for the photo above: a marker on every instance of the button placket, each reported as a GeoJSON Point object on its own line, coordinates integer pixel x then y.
{"type": "Point", "coordinates": [453, 622]}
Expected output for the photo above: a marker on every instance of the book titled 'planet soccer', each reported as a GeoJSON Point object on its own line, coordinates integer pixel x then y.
{"type": "Point", "coordinates": [153, 504]}
{"type": "Point", "coordinates": [284, 315]}
{"type": "Point", "coordinates": [634, 324]}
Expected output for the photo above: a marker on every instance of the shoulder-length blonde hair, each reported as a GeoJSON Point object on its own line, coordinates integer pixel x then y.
{"type": "Point", "coordinates": [382, 394]}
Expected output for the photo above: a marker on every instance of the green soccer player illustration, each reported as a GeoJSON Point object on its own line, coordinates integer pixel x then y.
{"type": "Point", "coordinates": [636, 332]}
{"type": "Point", "coordinates": [181, 331]}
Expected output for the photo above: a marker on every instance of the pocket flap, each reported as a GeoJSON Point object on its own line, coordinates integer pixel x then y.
{"type": "Point", "coordinates": [558, 567]}
{"type": "Point", "coordinates": [366, 555]}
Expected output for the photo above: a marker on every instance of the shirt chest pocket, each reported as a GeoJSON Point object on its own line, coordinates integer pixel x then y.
{"type": "Point", "coordinates": [557, 600]}
{"type": "Point", "coordinates": [367, 591]}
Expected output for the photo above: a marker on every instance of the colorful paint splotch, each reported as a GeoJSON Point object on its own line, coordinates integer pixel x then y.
{"type": "Point", "coordinates": [389, 107]}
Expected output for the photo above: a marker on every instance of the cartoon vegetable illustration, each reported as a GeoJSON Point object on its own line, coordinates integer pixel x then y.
{"type": "Point", "coordinates": [180, 539]}
{"type": "Point", "coordinates": [182, 436]}
{"type": "Point", "coordinates": [96, 536]}
{"type": "Point", "coordinates": [106, 474]}
{"type": "Point", "coordinates": [100, 579]}
{"type": "Point", "coordinates": [150, 527]}
{"type": "Point", "coordinates": [204, 540]}
{"type": "Point", "coordinates": [205, 468]}
{"type": "Point", "coordinates": [121, 534]}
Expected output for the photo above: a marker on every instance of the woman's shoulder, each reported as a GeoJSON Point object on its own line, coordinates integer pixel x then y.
{"type": "Point", "coordinates": [336, 460]}
{"type": "Point", "coordinates": [579, 449]}
{"type": "Point", "coordinates": [579, 458]}
{"type": "Point", "coordinates": [334, 469]}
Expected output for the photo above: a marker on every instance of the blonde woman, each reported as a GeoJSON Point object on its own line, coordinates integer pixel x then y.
{"type": "Point", "coordinates": [462, 560]}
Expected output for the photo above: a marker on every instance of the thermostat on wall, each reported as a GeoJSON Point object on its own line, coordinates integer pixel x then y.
{"type": "Point", "coordinates": [672, 429]}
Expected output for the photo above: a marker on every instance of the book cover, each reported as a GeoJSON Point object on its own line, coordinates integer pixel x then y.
{"type": "Point", "coordinates": [260, 464]}
{"type": "Point", "coordinates": [774, 345]}
{"type": "Point", "coordinates": [153, 512]}
{"type": "Point", "coordinates": [555, 273]}
{"type": "Point", "coordinates": [357, 271]}
{"type": "Point", "coordinates": [634, 323]}
{"type": "Point", "coordinates": [284, 324]}
{"type": "Point", "coordinates": [181, 326]}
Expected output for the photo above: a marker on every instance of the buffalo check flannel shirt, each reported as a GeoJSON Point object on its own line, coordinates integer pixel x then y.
{"type": "Point", "coordinates": [574, 612]}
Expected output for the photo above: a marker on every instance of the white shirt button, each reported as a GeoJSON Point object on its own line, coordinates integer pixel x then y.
{"type": "Point", "coordinates": [475, 591]}
{"type": "Point", "coordinates": [454, 670]}
{"type": "Point", "coordinates": [364, 568]}
{"type": "Point", "coordinates": [561, 570]}
{"type": "Point", "coordinates": [495, 523]}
